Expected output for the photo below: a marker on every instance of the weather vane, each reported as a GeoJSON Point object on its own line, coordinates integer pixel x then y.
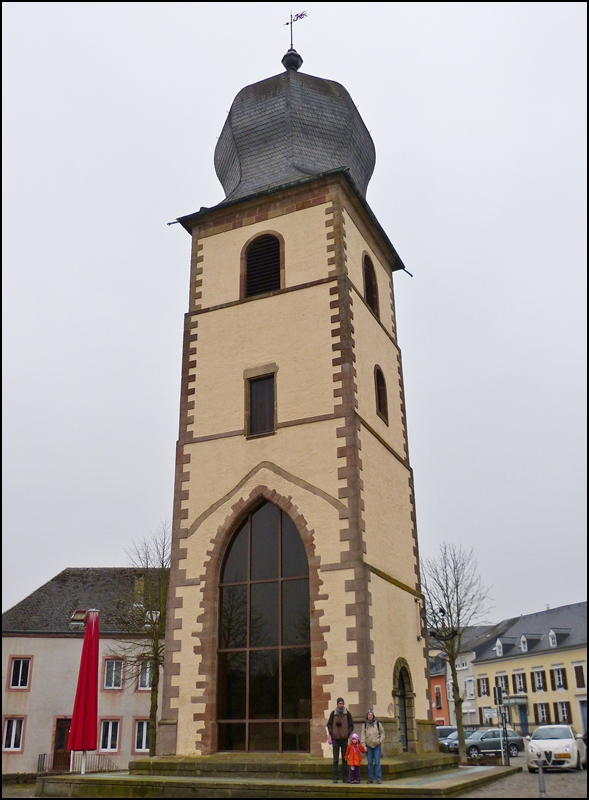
{"type": "Point", "coordinates": [296, 18]}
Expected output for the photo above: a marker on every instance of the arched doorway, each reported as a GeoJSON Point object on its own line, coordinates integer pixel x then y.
{"type": "Point", "coordinates": [264, 656]}
{"type": "Point", "coordinates": [402, 703]}
{"type": "Point", "coordinates": [404, 697]}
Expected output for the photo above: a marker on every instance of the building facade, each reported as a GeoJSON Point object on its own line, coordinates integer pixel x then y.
{"type": "Point", "coordinates": [41, 649]}
{"type": "Point", "coordinates": [295, 574]}
{"type": "Point", "coordinates": [540, 663]}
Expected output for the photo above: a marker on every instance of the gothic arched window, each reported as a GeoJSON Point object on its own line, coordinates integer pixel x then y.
{"type": "Point", "coordinates": [264, 667]}
{"type": "Point", "coordinates": [370, 285]}
{"type": "Point", "coordinates": [380, 388]}
{"type": "Point", "coordinates": [262, 265]}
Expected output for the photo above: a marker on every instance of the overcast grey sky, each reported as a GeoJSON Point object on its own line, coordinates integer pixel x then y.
{"type": "Point", "coordinates": [477, 111]}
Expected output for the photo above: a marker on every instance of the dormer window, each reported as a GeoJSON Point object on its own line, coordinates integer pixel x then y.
{"type": "Point", "coordinates": [552, 639]}
{"type": "Point", "coordinates": [498, 648]}
{"type": "Point", "coordinates": [523, 644]}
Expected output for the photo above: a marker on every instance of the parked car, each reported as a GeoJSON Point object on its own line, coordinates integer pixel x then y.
{"type": "Point", "coordinates": [444, 731]}
{"type": "Point", "coordinates": [450, 744]}
{"type": "Point", "coordinates": [488, 740]}
{"type": "Point", "coordinates": [558, 746]}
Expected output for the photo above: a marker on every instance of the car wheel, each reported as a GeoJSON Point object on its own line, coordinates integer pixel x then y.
{"type": "Point", "coordinates": [473, 751]}
{"type": "Point", "coordinates": [531, 769]}
{"type": "Point", "coordinates": [513, 751]}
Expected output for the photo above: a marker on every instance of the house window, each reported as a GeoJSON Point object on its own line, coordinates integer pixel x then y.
{"type": "Point", "coordinates": [469, 691]}
{"type": "Point", "coordinates": [438, 697]}
{"type": "Point", "coordinates": [262, 266]}
{"type": "Point", "coordinates": [498, 648]}
{"type": "Point", "coordinates": [13, 728]}
{"type": "Point", "coordinates": [450, 690]}
{"type": "Point", "coordinates": [523, 644]}
{"type": "Point", "coordinates": [519, 680]}
{"type": "Point", "coordinates": [19, 673]}
{"type": "Point", "coordinates": [539, 681]}
{"type": "Point", "coordinates": [552, 639]}
{"type": "Point", "coordinates": [543, 713]}
{"type": "Point", "coordinates": [558, 679]}
{"type": "Point", "coordinates": [382, 408]}
{"type": "Point", "coordinates": [579, 677]}
{"type": "Point", "coordinates": [145, 674]}
{"type": "Point", "coordinates": [142, 736]}
{"type": "Point", "coordinates": [261, 405]}
{"type": "Point", "coordinates": [109, 735]}
{"type": "Point", "coordinates": [483, 687]}
{"type": "Point", "coordinates": [264, 657]}
{"type": "Point", "coordinates": [563, 712]}
{"type": "Point", "coordinates": [113, 674]}
{"type": "Point", "coordinates": [503, 683]}
{"type": "Point", "coordinates": [370, 285]}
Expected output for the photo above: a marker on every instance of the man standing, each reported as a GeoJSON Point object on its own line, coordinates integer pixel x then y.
{"type": "Point", "coordinates": [340, 726]}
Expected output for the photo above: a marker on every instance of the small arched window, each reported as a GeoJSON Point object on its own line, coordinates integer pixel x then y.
{"type": "Point", "coordinates": [262, 265]}
{"type": "Point", "coordinates": [382, 408]}
{"type": "Point", "coordinates": [370, 285]}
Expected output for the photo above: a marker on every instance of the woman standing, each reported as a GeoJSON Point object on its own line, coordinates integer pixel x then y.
{"type": "Point", "coordinates": [372, 737]}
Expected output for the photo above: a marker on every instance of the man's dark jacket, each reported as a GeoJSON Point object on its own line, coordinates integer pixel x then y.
{"type": "Point", "coordinates": [340, 726]}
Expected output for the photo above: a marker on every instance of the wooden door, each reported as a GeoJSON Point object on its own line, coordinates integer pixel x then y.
{"type": "Point", "coordinates": [61, 755]}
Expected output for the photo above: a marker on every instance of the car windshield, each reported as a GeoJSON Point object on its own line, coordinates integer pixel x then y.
{"type": "Point", "coordinates": [453, 736]}
{"type": "Point", "coordinates": [552, 732]}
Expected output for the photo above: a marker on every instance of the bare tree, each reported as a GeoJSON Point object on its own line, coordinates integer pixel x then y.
{"type": "Point", "coordinates": [145, 616]}
{"type": "Point", "coordinates": [455, 599]}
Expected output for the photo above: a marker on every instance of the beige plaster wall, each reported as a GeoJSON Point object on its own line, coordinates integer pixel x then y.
{"type": "Point", "coordinates": [292, 330]}
{"type": "Point", "coordinates": [395, 630]}
{"type": "Point", "coordinates": [356, 245]}
{"type": "Point", "coordinates": [304, 249]}
{"type": "Point", "coordinates": [374, 347]}
{"type": "Point", "coordinates": [54, 678]}
{"type": "Point", "coordinates": [387, 511]}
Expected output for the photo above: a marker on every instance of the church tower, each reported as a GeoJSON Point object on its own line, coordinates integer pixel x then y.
{"type": "Point", "coordinates": [295, 574]}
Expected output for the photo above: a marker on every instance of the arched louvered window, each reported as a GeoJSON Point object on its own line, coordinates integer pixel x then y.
{"type": "Point", "coordinates": [370, 285]}
{"type": "Point", "coordinates": [262, 267]}
{"type": "Point", "coordinates": [382, 408]}
{"type": "Point", "coordinates": [264, 654]}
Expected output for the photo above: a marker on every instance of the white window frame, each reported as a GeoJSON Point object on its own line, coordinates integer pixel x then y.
{"type": "Point", "coordinates": [542, 713]}
{"type": "Point", "coordinates": [450, 690]}
{"type": "Point", "coordinates": [552, 640]}
{"type": "Point", "coordinates": [559, 677]}
{"type": "Point", "coordinates": [141, 734]}
{"type": "Point", "coordinates": [563, 713]}
{"type": "Point", "coordinates": [145, 676]}
{"type": "Point", "coordinates": [484, 687]}
{"type": "Point", "coordinates": [503, 683]}
{"type": "Point", "coordinates": [110, 674]}
{"type": "Point", "coordinates": [470, 689]}
{"type": "Point", "coordinates": [21, 661]}
{"type": "Point", "coordinates": [519, 682]}
{"type": "Point", "coordinates": [523, 644]}
{"type": "Point", "coordinates": [110, 727]}
{"type": "Point", "coordinates": [538, 683]}
{"type": "Point", "coordinates": [498, 648]}
{"type": "Point", "coordinates": [12, 735]}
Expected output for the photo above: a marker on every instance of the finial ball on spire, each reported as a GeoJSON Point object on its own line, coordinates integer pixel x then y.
{"type": "Point", "coordinates": [292, 60]}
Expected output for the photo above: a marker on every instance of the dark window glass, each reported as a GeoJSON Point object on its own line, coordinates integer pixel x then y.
{"type": "Point", "coordinates": [264, 615]}
{"type": "Point", "coordinates": [265, 542]}
{"type": "Point", "coordinates": [20, 673]}
{"type": "Point", "coordinates": [232, 736]}
{"type": "Point", "coordinates": [264, 606]}
{"type": "Point", "coordinates": [296, 736]}
{"type": "Point", "coordinates": [294, 557]}
{"type": "Point", "coordinates": [232, 685]}
{"type": "Point", "coordinates": [295, 612]}
{"type": "Point", "coordinates": [264, 737]}
{"type": "Point", "coordinates": [261, 406]}
{"type": "Point", "coordinates": [296, 683]}
{"type": "Point", "coordinates": [262, 266]}
{"type": "Point", "coordinates": [381, 396]}
{"type": "Point", "coordinates": [233, 628]}
{"type": "Point", "coordinates": [263, 699]}
{"type": "Point", "coordinates": [370, 285]}
{"type": "Point", "coordinates": [236, 565]}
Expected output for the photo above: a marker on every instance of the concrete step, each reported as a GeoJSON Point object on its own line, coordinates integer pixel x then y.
{"type": "Point", "coordinates": [449, 783]}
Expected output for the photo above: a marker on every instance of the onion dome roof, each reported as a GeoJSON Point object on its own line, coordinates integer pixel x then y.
{"type": "Point", "coordinates": [288, 127]}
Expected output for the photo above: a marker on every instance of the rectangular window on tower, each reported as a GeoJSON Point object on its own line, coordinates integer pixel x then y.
{"type": "Point", "coordinates": [261, 405]}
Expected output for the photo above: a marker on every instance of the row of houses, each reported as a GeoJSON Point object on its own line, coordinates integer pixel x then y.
{"type": "Point", "coordinates": [539, 661]}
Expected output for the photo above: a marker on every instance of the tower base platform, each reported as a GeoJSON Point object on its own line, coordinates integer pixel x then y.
{"type": "Point", "coordinates": [268, 775]}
